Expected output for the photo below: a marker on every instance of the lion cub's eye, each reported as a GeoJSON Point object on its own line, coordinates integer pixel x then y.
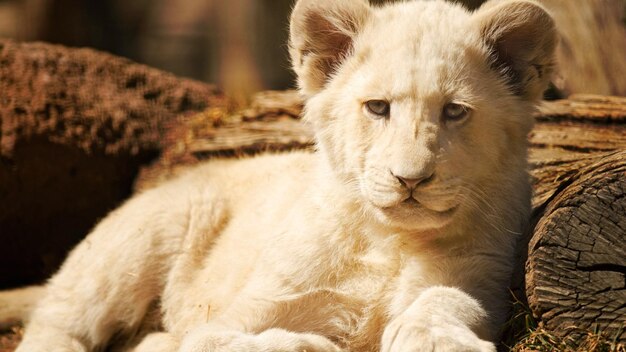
{"type": "Point", "coordinates": [378, 108]}
{"type": "Point", "coordinates": [455, 112]}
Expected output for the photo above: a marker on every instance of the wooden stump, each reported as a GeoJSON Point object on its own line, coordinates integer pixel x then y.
{"type": "Point", "coordinates": [577, 256]}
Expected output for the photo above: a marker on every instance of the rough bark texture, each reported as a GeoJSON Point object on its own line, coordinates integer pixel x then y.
{"type": "Point", "coordinates": [571, 134]}
{"type": "Point", "coordinates": [75, 125]}
{"type": "Point", "coordinates": [576, 267]}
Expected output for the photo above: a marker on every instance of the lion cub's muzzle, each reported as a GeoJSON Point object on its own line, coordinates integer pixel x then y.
{"type": "Point", "coordinates": [386, 189]}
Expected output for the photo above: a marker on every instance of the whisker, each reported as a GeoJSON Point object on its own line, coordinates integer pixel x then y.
{"type": "Point", "coordinates": [479, 199]}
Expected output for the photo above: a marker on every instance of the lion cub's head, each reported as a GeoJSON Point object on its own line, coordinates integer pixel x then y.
{"type": "Point", "coordinates": [423, 105]}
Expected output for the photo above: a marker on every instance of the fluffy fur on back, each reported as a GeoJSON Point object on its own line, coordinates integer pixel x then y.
{"type": "Point", "coordinates": [397, 234]}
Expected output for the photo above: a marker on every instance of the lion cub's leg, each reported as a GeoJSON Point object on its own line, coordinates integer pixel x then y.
{"type": "Point", "coordinates": [440, 319]}
{"type": "Point", "coordinates": [209, 338]}
{"type": "Point", "coordinates": [109, 280]}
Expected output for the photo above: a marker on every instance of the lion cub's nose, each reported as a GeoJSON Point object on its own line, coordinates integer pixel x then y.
{"type": "Point", "coordinates": [412, 182]}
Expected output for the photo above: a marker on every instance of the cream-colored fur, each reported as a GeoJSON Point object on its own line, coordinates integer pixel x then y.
{"type": "Point", "coordinates": [331, 251]}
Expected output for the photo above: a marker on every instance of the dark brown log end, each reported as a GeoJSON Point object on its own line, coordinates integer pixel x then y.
{"type": "Point", "coordinates": [576, 272]}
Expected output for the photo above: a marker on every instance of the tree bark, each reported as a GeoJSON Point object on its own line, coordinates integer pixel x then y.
{"type": "Point", "coordinates": [576, 267]}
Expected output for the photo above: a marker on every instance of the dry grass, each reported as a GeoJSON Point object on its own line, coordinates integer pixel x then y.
{"type": "Point", "coordinates": [577, 340]}
{"type": "Point", "coordinates": [524, 334]}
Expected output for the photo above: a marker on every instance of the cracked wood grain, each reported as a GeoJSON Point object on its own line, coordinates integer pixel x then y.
{"type": "Point", "coordinates": [576, 271]}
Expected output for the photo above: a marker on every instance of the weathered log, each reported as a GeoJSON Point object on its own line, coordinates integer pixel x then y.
{"type": "Point", "coordinates": [271, 123]}
{"type": "Point", "coordinates": [576, 268]}
{"type": "Point", "coordinates": [570, 134]}
{"type": "Point", "coordinates": [75, 124]}
{"type": "Point", "coordinates": [576, 264]}
{"type": "Point", "coordinates": [577, 256]}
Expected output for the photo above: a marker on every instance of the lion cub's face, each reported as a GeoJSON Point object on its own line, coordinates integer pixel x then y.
{"type": "Point", "coordinates": [422, 106]}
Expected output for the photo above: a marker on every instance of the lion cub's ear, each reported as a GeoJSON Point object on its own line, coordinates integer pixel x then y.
{"type": "Point", "coordinates": [522, 38]}
{"type": "Point", "coordinates": [322, 33]}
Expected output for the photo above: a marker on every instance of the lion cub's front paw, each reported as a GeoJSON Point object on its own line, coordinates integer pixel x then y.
{"type": "Point", "coordinates": [439, 320]}
{"type": "Point", "coordinates": [402, 336]}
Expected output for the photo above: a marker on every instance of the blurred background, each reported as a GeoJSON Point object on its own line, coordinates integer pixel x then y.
{"type": "Point", "coordinates": [238, 44]}
{"type": "Point", "coordinates": [241, 44]}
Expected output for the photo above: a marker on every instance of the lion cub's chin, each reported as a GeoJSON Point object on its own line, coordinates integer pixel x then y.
{"type": "Point", "coordinates": [414, 216]}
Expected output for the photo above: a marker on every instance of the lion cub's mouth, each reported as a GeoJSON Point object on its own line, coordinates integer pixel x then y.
{"type": "Point", "coordinates": [414, 203]}
{"type": "Point", "coordinates": [412, 214]}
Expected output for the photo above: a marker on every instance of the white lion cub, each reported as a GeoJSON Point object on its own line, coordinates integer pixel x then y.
{"type": "Point", "coordinates": [397, 234]}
